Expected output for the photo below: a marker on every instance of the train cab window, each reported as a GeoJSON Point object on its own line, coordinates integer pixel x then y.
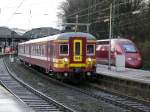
{"type": "Point", "coordinates": [77, 45]}
{"type": "Point", "coordinates": [129, 48]}
{"type": "Point", "coordinates": [91, 49]}
{"type": "Point", "coordinates": [63, 49]}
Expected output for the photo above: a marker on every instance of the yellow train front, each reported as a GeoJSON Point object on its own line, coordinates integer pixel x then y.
{"type": "Point", "coordinates": [75, 55]}
{"type": "Point", "coordinates": [66, 55]}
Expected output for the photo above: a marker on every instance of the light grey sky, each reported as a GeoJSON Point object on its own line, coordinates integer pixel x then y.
{"type": "Point", "coordinates": [33, 13]}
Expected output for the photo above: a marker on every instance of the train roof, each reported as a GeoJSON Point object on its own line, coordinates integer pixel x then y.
{"type": "Point", "coordinates": [62, 36]}
{"type": "Point", "coordinates": [114, 39]}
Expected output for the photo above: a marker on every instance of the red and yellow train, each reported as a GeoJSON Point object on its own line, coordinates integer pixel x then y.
{"type": "Point", "coordinates": [66, 55]}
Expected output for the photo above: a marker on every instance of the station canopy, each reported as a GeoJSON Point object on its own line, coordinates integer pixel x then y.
{"type": "Point", "coordinates": [8, 33]}
{"type": "Point", "coordinates": [41, 32]}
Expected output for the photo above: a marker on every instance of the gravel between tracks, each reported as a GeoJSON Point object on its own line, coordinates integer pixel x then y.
{"type": "Point", "coordinates": [73, 99]}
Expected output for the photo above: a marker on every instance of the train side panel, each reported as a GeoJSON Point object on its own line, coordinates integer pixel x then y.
{"type": "Point", "coordinates": [35, 54]}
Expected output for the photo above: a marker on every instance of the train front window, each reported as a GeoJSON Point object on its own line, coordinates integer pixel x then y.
{"type": "Point", "coordinates": [77, 45]}
{"type": "Point", "coordinates": [63, 49]}
{"type": "Point", "coordinates": [129, 48]}
{"type": "Point", "coordinates": [90, 49]}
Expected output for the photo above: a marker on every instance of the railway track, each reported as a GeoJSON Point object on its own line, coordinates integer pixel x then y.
{"type": "Point", "coordinates": [33, 98]}
{"type": "Point", "coordinates": [60, 91]}
{"type": "Point", "coordinates": [121, 101]}
{"type": "Point", "coordinates": [108, 96]}
{"type": "Point", "coordinates": [116, 99]}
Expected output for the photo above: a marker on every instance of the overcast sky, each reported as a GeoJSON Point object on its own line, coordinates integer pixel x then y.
{"type": "Point", "coordinates": [29, 13]}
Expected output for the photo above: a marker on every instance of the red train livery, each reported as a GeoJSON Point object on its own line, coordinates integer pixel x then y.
{"type": "Point", "coordinates": [66, 54]}
{"type": "Point", "coordinates": [118, 46]}
{"type": "Point", "coordinates": [10, 50]}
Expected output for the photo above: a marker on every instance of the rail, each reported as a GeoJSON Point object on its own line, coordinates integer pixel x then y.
{"type": "Point", "coordinates": [33, 98]}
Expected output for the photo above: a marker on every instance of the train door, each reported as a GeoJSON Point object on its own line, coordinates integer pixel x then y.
{"type": "Point", "coordinates": [77, 50]}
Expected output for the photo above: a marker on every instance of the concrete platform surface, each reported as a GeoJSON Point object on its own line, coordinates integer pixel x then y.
{"type": "Point", "coordinates": [136, 75]}
{"type": "Point", "coordinates": [9, 103]}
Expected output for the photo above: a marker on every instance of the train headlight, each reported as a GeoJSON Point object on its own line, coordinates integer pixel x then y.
{"type": "Point", "coordinates": [66, 60]}
{"type": "Point", "coordinates": [88, 74]}
{"type": "Point", "coordinates": [139, 59]}
{"type": "Point", "coordinates": [129, 59]}
{"type": "Point", "coordinates": [89, 60]}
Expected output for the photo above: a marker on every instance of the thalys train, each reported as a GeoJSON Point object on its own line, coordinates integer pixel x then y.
{"type": "Point", "coordinates": [66, 55]}
{"type": "Point", "coordinates": [10, 50]}
{"type": "Point", "coordinates": [118, 47]}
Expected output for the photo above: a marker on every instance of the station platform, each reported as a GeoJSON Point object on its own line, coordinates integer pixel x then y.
{"type": "Point", "coordinates": [9, 103]}
{"type": "Point", "coordinates": [135, 75]}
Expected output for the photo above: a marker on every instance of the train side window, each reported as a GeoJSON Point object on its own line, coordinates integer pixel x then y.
{"type": "Point", "coordinates": [43, 50]}
{"type": "Point", "coordinates": [63, 49]}
{"type": "Point", "coordinates": [27, 49]}
{"type": "Point", "coordinates": [40, 54]}
{"type": "Point", "coordinates": [33, 53]}
{"type": "Point", "coordinates": [90, 49]}
{"type": "Point", "coordinates": [23, 49]}
{"type": "Point", "coordinates": [51, 50]}
{"type": "Point", "coordinates": [36, 50]}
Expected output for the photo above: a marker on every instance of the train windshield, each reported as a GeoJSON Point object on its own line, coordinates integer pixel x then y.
{"type": "Point", "coordinates": [77, 48]}
{"type": "Point", "coordinates": [90, 49]}
{"type": "Point", "coordinates": [63, 49]}
{"type": "Point", "coordinates": [129, 48]}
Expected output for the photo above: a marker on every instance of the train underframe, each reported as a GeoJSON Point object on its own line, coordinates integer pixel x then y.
{"type": "Point", "coordinates": [76, 75]}
{"type": "Point", "coordinates": [73, 76]}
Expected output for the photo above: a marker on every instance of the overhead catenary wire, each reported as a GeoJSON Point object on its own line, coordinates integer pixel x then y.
{"type": "Point", "coordinates": [123, 25]}
{"type": "Point", "coordinates": [100, 12]}
{"type": "Point", "coordinates": [101, 19]}
{"type": "Point", "coordinates": [140, 26]}
{"type": "Point", "coordinates": [135, 21]}
{"type": "Point", "coordinates": [97, 4]}
{"type": "Point", "coordinates": [89, 14]}
{"type": "Point", "coordinates": [26, 5]}
{"type": "Point", "coordinates": [129, 16]}
{"type": "Point", "coordinates": [20, 4]}
{"type": "Point", "coordinates": [86, 9]}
